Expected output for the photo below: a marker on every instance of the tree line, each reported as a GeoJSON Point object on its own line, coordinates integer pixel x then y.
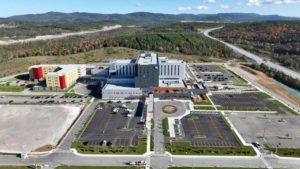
{"type": "Point", "coordinates": [277, 75]}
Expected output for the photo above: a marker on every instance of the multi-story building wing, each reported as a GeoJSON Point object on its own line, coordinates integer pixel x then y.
{"type": "Point", "coordinates": [57, 76]}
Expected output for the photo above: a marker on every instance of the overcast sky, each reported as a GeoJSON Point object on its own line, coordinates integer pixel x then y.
{"type": "Point", "coordinates": [281, 7]}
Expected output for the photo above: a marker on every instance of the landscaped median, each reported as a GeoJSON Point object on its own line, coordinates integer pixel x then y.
{"type": "Point", "coordinates": [186, 148]}
{"type": "Point", "coordinates": [95, 149]}
{"type": "Point", "coordinates": [279, 104]}
{"type": "Point", "coordinates": [285, 152]}
{"type": "Point", "coordinates": [165, 125]}
{"type": "Point", "coordinates": [204, 108]}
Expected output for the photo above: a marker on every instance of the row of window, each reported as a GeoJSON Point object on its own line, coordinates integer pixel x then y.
{"type": "Point", "coordinates": [128, 93]}
{"type": "Point", "coordinates": [125, 70]}
{"type": "Point", "coordinates": [169, 70]}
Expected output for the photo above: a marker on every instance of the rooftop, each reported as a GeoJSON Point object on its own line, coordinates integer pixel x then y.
{"type": "Point", "coordinates": [176, 83]}
{"type": "Point", "coordinates": [147, 59]}
{"type": "Point", "coordinates": [119, 87]}
{"type": "Point", "coordinates": [167, 60]}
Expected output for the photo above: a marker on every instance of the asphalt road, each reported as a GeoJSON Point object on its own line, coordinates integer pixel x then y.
{"type": "Point", "coordinates": [254, 57]}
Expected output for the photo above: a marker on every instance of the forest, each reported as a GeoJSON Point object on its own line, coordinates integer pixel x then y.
{"type": "Point", "coordinates": [172, 42]}
{"type": "Point", "coordinates": [275, 40]}
{"type": "Point", "coordinates": [277, 75]}
{"type": "Point", "coordinates": [141, 38]}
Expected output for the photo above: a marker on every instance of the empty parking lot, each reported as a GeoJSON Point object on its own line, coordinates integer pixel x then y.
{"type": "Point", "coordinates": [271, 129]}
{"type": "Point", "coordinates": [208, 129]}
{"type": "Point", "coordinates": [112, 125]}
{"type": "Point", "coordinates": [243, 101]}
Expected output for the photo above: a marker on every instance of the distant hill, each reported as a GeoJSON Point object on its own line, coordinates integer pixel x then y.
{"type": "Point", "coordinates": [145, 17]}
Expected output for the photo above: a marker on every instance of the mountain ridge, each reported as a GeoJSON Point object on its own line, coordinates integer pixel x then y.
{"type": "Point", "coordinates": [144, 17]}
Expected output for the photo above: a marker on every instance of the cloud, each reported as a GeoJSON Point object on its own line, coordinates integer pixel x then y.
{"type": "Point", "coordinates": [211, 1]}
{"type": "Point", "coordinates": [223, 6]}
{"type": "Point", "coordinates": [262, 2]}
{"type": "Point", "coordinates": [184, 8]}
{"type": "Point", "coordinates": [201, 7]}
{"type": "Point", "coordinates": [197, 8]}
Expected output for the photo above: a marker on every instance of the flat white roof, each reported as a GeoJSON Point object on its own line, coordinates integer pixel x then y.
{"type": "Point", "coordinates": [119, 87]}
{"type": "Point", "coordinates": [64, 68]}
{"type": "Point", "coordinates": [128, 61]}
{"type": "Point", "coordinates": [167, 60]}
{"type": "Point", "coordinates": [147, 58]}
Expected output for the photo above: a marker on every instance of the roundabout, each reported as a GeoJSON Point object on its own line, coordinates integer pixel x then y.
{"type": "Point", "coordinates": [169, 109]}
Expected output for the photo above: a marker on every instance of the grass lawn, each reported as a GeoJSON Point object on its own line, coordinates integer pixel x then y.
{"type": "Point", "coordinates": [286, 152]}
{"type": "Point", "coordinates": [165, 125]}
{"type": "Point", "coordinates": [151, 143]}
{"type": "Point", "coordinates": [243, 109]}
{"type": "Point", "coordinates": [139, 149]}
{"type": "Point", "coordinates": [18, 167]}
{"type": "Point", "coordinates": [91, 115]}
{"type": "Point", "coordinates": [5, 88]}
{"type": "Point", "coordinates": [99, 167]}
{"type": "Point", "coordinates": [204, 108]}
{"type": "Point", "coordinates": [266, 95]}
{"type": "Point", "coordinates": [239, 78]}
{"type": "Point", "coordinates": [211, 168]}
{"type": "Point", "coordinates": [72, 94]}
{"type": "Point", "coordinates": [279, 104]}
{"type": "Point", "coordinates": [185, 148]}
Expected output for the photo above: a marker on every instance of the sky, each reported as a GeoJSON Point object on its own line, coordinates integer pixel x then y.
{"type": "Point", "coordinates": [281, 7]}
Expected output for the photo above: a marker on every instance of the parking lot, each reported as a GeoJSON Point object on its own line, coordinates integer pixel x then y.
{"type": "Point", "coordinates": [272, 129]}
{"type": "Point", "coordinates": [117, 124]}
{"type": "Point", "coordinates": [43, 99]}
{"type": "Point", "coordinates": [208, 129]}
{"type": "Point", "coordinates": [212, 73]}
{"type": "Point", "coordinates": [243, 101]}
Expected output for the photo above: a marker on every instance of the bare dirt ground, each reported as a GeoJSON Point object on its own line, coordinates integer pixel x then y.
{"type": "Point", "coordinates": [26, 128]}
{"type": "Point", "coordinates": [267, 82]}
{"type": "Point", "coordinates": [48, 37]}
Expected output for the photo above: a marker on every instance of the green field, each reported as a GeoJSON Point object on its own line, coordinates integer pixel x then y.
{"type": "Point", "coordinates": [165, 125]}
{"type": "Point", "coordinates": [98, 167]}
{"type": "Point", "coordinates": [6, 88]}
{"type": "Point", "coordinates": [185, 148]}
